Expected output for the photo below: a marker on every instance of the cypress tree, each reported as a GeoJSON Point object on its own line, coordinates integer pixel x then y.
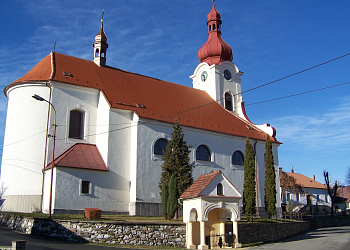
{"type": "Point", "coordinates": [165, 200]}
{"type": "Point", "coordinates": [177, 161]}
{"type": "Point", "coordinates": [270, 178]}
{"type": "Point", "coordinates": [172, 197]}
{"type": "Point", "coordinates": [249, 193]}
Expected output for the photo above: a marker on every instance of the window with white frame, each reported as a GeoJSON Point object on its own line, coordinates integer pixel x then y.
{"type": "Point", "coordinates": [238, 158]}
{"type": "Point", "coordinates": [85, 187]}
{"type": "Point", "coordinates": [76, 124]}
{"type": "Point", "coordinates": [219, 189]}
{"type": "Point", "coordinates": [228, 101]}
{"type": "Point", "coordinates": [203, 153]}
{"type": "Point", "coordinates": [160, 146]}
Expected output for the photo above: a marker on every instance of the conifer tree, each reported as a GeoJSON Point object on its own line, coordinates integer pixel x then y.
{"type": "Point", "coordinates": [177, 161]}
{"type": "Point", "coordinates": [270, 178]}
{"type": "Point", "coordinates": [172, 197]}
{"type": "Point", "coordinates": [249, 192]}
{"type": "Point", "coordinates": [165, 194]}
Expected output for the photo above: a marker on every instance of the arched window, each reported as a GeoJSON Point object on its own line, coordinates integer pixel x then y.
{"type": "Point", "coordinates": [103, 54]}
{"type": "Point", "coordinates": [228, 101]}
{"type": "Point", "coordinates": [237, 158]}
{"type": "Point", "coordinates": [159, 146]}
{"type": "Point", "coordinates": [76, 124]}
{"type": "Point", "coordinates": [97, 53]}
{"type": "Point", "coordinates": [219, 189]}
{"type": "Point", "coordinates": [203, 153]}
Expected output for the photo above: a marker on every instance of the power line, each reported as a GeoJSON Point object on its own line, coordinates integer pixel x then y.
{"type": "Point", "coordinates": [297, 73]}
{"type": "Point", "coordinates": [266, 84]}
{"type": "Point", "coordinates": [260, 86]}
{"type": "Point", "coordinates": [303, 93]}
{"type": "Point", "coordinates": [22, 139]}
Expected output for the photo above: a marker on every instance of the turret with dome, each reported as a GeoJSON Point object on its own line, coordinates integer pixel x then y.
{"type": "Point", "coordinates": [215, 50]}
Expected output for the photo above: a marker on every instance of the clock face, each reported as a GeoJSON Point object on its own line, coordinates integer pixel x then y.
{"type": "Point", "coordinates": [227, 74]}
{"type": "Point", "coordinates": [204, 76]}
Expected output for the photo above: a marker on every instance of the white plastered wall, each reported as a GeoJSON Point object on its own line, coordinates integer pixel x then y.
{"type": "Point", "coordinates": [24, 147]}
{"type": "Point", "coordinates": [222, 147]}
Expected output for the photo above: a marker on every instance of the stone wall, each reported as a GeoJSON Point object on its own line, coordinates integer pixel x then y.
{"type": "Point", "coordinates": [150, 234]}
{"type": "Point", "coordinates": [257, 232]}
{"type": "Point", "coordinates": [330, 222]}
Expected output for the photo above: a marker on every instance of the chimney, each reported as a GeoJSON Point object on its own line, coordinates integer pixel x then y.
{"type": "Point", "coordinates": [292, 170]}
{"type": "Point", "coordinates": [313, 177]}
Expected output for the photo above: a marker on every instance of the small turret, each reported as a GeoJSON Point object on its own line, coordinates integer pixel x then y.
{"type": "Point", "coordinates": [100, 46]}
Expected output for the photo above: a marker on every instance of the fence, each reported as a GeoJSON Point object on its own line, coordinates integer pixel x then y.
{"type": "Point", "coordinates": [277, 216]}
{"type": "Point", "coordinates": [220, 241]}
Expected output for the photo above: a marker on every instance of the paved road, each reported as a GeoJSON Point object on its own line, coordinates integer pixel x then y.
{"type": "Point", "coordinates": [331, 238]}
{"type": "Point", "coordinates": [34, 243]}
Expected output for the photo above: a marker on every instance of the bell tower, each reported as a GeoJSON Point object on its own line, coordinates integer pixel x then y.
{"type": "Point", "coordinates": [217, 74]}
{"type": "Point", "coordinates": [100, 46]}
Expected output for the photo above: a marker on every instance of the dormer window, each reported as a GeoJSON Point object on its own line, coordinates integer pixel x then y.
{"type": "Point", "coordinates": [219, 189]}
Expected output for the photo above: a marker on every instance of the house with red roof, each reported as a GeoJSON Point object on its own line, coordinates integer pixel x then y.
{"type": "Point", "coordinates": [313, 193]}
{"type": "Point", "coordinates": [94, 134]}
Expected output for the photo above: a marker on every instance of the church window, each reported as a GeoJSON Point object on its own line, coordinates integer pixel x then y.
{"type": "Point", "coordinates": [97, 52]}
{"type": "Point", "coordinates": [76, 124]}
{"type": "Point", "coordinates": [228, 101]}
{"type": "Point", "coordinates": [160, 146]}
{"type": "Point", "coordinates": [219, 189]}
{"type": "Point", "coordinates": [103, 53]}
{"type": "Point", "coordinates": [237, 158]}
{"type": "Point", "coordinates": [209, 27]}
{"type": "Point", "coordinates": [214, 26]}
{"type": "Point", "coordinates": [203, 153]}
{"type": "Point", "coordinates": [85, 187]}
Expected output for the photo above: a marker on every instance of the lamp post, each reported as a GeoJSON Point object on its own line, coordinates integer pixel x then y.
{"type": "Point", "coordinates": [39, 98]}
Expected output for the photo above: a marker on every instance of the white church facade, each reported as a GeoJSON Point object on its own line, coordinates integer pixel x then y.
{"type": "Point", "coordinates": [111, 126]}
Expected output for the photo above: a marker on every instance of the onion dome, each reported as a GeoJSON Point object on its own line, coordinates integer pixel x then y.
{"type": "Point", "coordinates": [215, 50]}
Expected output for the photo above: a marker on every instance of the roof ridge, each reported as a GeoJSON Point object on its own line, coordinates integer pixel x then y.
{"type": "Point", "coordinates": [122, 70]}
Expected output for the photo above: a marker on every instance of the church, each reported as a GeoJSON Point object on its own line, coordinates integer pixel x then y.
{"type": "Point", "coordinates": [94, 134]}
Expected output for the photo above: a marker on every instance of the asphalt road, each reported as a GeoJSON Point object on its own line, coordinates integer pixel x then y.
{"type": "Point", "coordinates": [331, 238]}
{"type": "Point", "coordinates": [35, 243]}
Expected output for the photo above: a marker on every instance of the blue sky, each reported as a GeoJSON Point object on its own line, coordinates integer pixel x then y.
{"type": "Point", "coordinates": [160, 38]}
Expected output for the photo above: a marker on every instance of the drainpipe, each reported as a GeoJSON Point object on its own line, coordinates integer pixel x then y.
{"type": "Point", "coordinates": [256, 181]}
{"type": "Point", "coordinates": [47, 84]}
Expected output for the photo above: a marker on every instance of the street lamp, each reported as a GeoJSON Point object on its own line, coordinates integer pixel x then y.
{"type": "Point", "coordinates": [39, 98]}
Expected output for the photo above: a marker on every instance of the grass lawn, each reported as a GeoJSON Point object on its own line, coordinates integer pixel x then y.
{"type": "Point", "coordinates": [106, 218]}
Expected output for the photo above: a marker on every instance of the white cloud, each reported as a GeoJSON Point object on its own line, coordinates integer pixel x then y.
{"type": "Point", "coordinates": [317, 131]}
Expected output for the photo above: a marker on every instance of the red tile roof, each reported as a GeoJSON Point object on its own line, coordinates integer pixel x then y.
{"type": "Point", "coordinates": [161, 100]}
{"type": "Point", "coordinates": [344, 192]}
{"type": "Point", "coordinates": [199, 185]}
{"type": "Point", "coordinates": [306, 182]}
{"type": "Point", "coordinates": [83, 156]}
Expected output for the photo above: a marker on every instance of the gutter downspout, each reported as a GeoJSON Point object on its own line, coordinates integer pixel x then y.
{"type": "Point", "coordinates": [256, 182]}
{"type": "Point", "coordinates": [47, 84]}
